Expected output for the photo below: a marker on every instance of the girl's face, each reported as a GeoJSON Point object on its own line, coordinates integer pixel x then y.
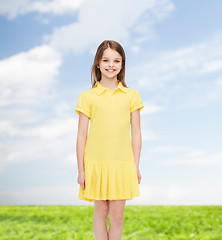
{"type": "Point", "coordinates": [110, 64]}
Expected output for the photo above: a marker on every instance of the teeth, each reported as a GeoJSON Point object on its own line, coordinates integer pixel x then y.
{"type": "Point", "coordinates": [110, 70]}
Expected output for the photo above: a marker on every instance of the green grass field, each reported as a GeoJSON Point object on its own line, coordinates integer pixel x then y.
{"type": "Point", "coordinates": [140, 222]}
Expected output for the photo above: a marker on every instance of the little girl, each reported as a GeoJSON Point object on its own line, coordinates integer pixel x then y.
{"type": "Point", "coordinates": [108, 159]}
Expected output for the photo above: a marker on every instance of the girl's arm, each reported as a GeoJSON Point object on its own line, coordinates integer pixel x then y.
{"type": "Point", "coordinates": [81, 140]}
{"type": "Point", "coordinates": [136, 135]}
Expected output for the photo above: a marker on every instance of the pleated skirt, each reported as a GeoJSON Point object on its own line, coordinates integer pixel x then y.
{"type": "Point", "coordinates": [113, 180]}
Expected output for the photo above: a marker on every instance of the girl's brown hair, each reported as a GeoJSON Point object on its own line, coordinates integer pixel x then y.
{"type": "Point", "coordinates": [96, 73]}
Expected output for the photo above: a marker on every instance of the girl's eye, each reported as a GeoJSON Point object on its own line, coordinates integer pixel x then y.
{"type": "Point", "coordinates": [106, 60]}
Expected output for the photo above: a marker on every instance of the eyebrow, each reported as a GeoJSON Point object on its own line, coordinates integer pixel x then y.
{"type": "Point", "coordinates": [115, 58]}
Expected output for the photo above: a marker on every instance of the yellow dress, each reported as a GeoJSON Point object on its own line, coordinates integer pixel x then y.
{"type": "Point", "coordinates": [110, 169]}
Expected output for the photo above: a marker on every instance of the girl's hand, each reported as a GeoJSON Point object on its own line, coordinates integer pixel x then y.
{"type": "Point", "coordinates": [81, 179]}
{"type": "Point", "coordinates": [138, 175]}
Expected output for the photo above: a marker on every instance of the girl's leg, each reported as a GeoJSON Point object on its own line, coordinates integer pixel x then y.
{"type": "Point", "coordinates": [116, 217]}
{"type": "Point", "coordinates": [101, 210]}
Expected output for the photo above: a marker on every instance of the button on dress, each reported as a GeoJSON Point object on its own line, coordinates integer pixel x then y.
{"type": "Point", "coordinates": [110, 169]}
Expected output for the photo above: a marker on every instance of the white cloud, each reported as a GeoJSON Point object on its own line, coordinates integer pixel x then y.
{"type": "Point", "coordinates": [57, 6]}
{"type": "Point", "coordinates": [179, 66]}
{"type": "Point", "coordinates": [61, 194]}
{"type": "Point", "coordinates": [148, 135]}
{"type": "Point", "coordinates": [110, 22]}
{"type": "Point", "coordinates": [215, 90]}
{"type": "Point", "coordinates": [151, 108]}
{"type": "Point", "coordinates": [169, 149]}
{"type": "Point", "coordinates": [27, 82]}
{"type": "Point", "coordinates": [178, 194]}
{"type": "Point", "coordinates": [196, 153]}
{"type": "Point", "coordinates": [196, 158]}
{"type": "Point", "coordinates": [13, 9]}
{"type": "Point", "coordinates": [135, 48]}
{"type": "Point", "coordinates": [52, 140]}
{"type": "Point", "coordinates": [49, 129]}
{"type": "Point", "coordinates": [27, 75]}
{"type": "Point", "coordinates": [190, 157]}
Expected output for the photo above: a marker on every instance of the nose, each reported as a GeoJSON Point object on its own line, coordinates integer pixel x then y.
{"type": "Point", "coordinates": [111, 64]}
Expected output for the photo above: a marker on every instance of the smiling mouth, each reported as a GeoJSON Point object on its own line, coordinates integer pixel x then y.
{"type": "Point", "coordinates": [110, 70]}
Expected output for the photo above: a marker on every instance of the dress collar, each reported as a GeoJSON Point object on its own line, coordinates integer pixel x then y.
{"type": "Point", "coordinates": [100, 89]}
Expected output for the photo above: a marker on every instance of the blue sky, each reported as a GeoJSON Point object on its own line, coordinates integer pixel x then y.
{"type": "Point", "coordinates": [174, 60]}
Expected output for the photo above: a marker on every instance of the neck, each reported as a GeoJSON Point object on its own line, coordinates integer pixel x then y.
{"type": "Point", "coordinates": [109, 82]}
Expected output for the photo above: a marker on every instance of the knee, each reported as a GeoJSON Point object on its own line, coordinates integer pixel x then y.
{"type": "Point", "coordinates": [116, 217]}
{"type": "Point", "coordinates": [101, 212]}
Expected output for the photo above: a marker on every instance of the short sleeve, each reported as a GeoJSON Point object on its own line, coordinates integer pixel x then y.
{"type": "Point", "coordinates": [83, 104]}
{"type": "Point", "coordinates": [136, 101]}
